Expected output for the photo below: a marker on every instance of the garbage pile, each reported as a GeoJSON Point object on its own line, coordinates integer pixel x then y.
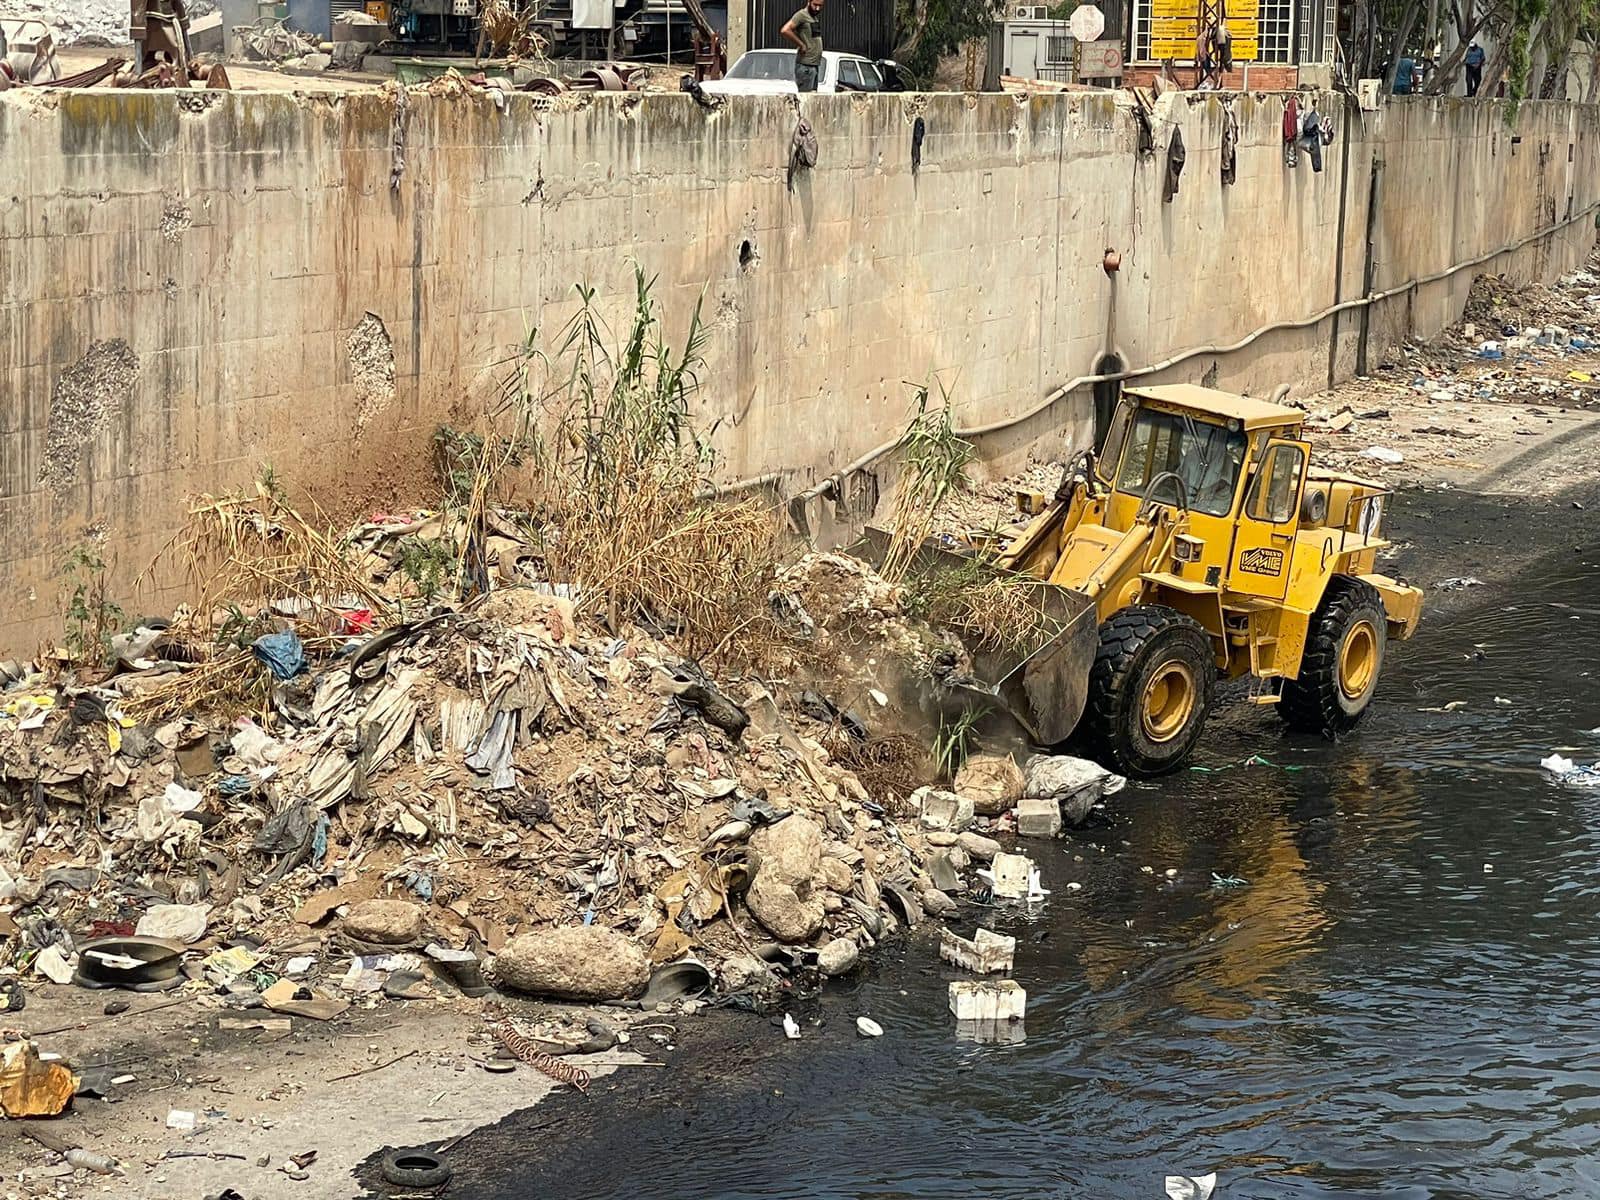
{"type": "Point", "coordinates": [351, 795]}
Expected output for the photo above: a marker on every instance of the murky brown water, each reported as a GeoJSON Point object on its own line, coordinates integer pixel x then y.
{"type": "Point", "coordinates": [1376, 1012]}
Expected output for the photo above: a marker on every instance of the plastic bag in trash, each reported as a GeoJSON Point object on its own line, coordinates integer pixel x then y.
{"type": "Point", "coordinates": [1191, 1187]}
{"type": "Point", "coordinates": [281, 653]}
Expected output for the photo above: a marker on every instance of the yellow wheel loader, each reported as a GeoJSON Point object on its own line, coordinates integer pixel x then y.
{"type": "Point", "coordinates": [1199, 544]}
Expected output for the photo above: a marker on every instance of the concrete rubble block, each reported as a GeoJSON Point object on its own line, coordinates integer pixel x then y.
{"type": "Point", "coordinates": [982, 849]}
{"type": "Point", "coordinates": [936, 904]}
{"type": "Point", "coordinates": [943, 873]}
{"type": "Point", "coordinates": [787, 912]}
{"type": "Point", "coordinates": [1011, 875]}
{"type": "Point", "coordinates": [838, 957]}
{"type": "Point", "coordinates": [1076, 784]}
{"type": "Point", "coordinates": [943, 811]}
{"type": "Point", "coordinates": [985, 953]}
{"type": "Point", "coordinates": [993, 782]}
{"type": "Point", "coordinates": [791, 850]}
{"type": "Point", "coordinates": [387, 922]}
{"type": "Point", "coordinates": [988, 1000]}
{"type": "Point", "coordinates": [1038, 817]}
{"type": "Point", "coordinates": [579, 962]}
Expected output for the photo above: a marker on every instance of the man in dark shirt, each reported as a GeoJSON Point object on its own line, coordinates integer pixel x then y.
{"type": "Point", "coordinates": [1474, 68]}
{"type": "Point", "coordinates": [804, 29]}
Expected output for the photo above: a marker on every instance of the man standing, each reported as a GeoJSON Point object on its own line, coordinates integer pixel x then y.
{"type": "Point", "coordinates": [1474, 68]}
{"type": "Point", "coordinates": [804, 29]}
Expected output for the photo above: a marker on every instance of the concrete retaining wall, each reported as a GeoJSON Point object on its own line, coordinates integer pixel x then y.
{"type": "Point", "coordinates": [193, 285]}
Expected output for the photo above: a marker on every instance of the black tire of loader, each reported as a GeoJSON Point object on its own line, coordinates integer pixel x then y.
{"type": "Point", "coordinates": [1133, 643]}
{"type": "Point", "coordinates": [1315, 703]}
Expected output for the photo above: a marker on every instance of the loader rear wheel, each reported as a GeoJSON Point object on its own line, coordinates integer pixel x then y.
{"type": "Point", "coordinates": [1150, 688]}
{"type": "Point", "coordinates": [1343, 660]}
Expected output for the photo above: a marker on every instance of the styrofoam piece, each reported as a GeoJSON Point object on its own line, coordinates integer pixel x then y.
{"type": "Point", "coordinates": [987, 1000]}
{"type": "Point", "coordinates": [986, 952]}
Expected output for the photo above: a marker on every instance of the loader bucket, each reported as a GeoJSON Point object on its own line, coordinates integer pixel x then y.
{"type": "Point", "coordinates": [1042, 682]}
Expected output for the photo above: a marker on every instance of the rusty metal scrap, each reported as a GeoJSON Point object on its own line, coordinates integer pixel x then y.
{"type": "Point", "coordinates": [608, 77]}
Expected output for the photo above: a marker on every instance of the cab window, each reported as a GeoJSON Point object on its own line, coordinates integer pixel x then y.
{"type": "Point", "coordinates": [1205, 457]}
{"type": "Point", "coordinates": [1276, 490]}
{"type": "Point", "coordinates": [849, 75]}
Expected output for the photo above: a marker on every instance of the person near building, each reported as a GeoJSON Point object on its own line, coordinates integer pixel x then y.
{"type": "Point", "coordinates": [804, 29]}
{"type": "Point", "coordinates": [1404, 73]}
{"type": "Point", "coordinates": [1474, 61]}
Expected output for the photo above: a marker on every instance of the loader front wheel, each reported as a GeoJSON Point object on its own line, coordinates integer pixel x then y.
{"type": "Point", "coordinates": [1342, 662]}
{"type": "Point", "coordinates": [1150, 688]}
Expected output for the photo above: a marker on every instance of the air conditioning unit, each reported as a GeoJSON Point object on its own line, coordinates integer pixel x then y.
{"type": "Point", "coordinates": [1030, 12]}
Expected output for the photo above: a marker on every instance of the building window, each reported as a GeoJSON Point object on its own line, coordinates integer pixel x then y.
{"type": "Point", "coordinates": [1059, 49]}
{"type": "Point", "coordinates": [1275, 30]}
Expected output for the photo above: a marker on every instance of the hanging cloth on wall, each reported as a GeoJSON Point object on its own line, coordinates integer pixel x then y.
{"type": "Point", "coordinates": [1291, 132]}
{"type": "Point", "coordinates": [1230, 144]}
{"type": "Point", "coordinates": [1175, 157]}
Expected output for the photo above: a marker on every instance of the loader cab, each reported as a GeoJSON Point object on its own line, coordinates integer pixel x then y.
{"type": "Point", "coordinates": [1230, 468]}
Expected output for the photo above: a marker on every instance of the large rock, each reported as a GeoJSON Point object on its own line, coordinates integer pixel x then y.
{"type": "Point", "coordinates": [580, 962]}
{"type": "Point", "coordinates": [836, 876]}
{"type": "Point", "coordinates": [386, 922]}
{"type": "Point", "coordinates": [993, 782]}
{"type": "Point", "coordinates": [791, 850]}
{"type": "Point", "coordinates": [789, 912]}
{"type": "Point", "coordinates": [838, 956]}
{"type": "Point", "coordinates": [981, 848]}
{"type": "Point", "coordinates": [1075, 784]}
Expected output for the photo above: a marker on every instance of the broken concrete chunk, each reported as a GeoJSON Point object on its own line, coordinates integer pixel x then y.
{"type": "Point", "coordinates": [993, 782]}
{"type": "Point", "coordinates": [943, 872]}
{"type": "Point", "coordinates": [1038, 817]}
{"type": "Point", "coordinates": [943, 810]}
{"type": "Point", "coordinates": [986, 952]}
{"type": "Point", "coordinates": [791, 850]}
{"type": "Point", "coordinates": [987, 1000]}
{"type": "Point", "coordinates": [387, 922]}
{"type": "Point", "coordinates": [785, 911]}
{"type": "Point", "coordinates": [579, 962]}
{"type": "Point", "coordinates": [936, 904]}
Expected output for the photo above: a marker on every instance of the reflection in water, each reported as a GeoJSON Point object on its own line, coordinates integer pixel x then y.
{"type": "Point", "coordinates": [1374, 1013]}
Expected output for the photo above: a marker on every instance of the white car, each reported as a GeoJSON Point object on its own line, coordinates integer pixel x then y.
{"type": "Point", "coordinates": [771, 73]}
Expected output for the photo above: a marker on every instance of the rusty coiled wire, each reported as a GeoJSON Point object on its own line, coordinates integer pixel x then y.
{"type": "Point", "coordinates": [548, 1064]}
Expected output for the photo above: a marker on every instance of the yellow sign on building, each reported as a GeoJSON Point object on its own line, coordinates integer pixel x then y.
{"type": "Point", "coordinates": [1175, 27]}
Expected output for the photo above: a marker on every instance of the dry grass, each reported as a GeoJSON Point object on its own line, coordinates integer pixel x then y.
{"type": "Point", "coordinates": [988, 609]}
{"type": "Point", "coordinates": [620, 480]}
{"type": "Point", "coordinates": [244, 551]}
{"type": "Point", "coordinates": [934, 470]}
{"type": "Point", "coordinates": [234, 682]}
{"type": "Point", "coordinates": [890, 767]}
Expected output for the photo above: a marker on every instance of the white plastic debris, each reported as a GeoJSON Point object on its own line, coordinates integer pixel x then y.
{"type": "Point", "coordinates": [1191, 1187]}
{"type": "Point", "coordinates": [791, 1028]}
{"type": "Point", "coordinates": [1457, 583]}
{"type": "Point", "coordinates": [985, 953]}
{"type": "Point", "coordinates": [1009, 876]}
{"type": "Point", "coordinates": [179, 1118]}
{"type": "Point", "coordinates": [1383, 454]}
{"type": "Point", "coordinates": [987, 1000]}
{"type": "Point", "coordinates": [868, 1028]}
{"type": "Point", "coordinates": [1567, 771]}
{"type": "Point", "coordinates": [184, 923]}
{"type": "Point", "coordinates": [54, 965]}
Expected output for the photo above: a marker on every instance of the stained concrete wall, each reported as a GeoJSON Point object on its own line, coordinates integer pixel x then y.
{"type": "Point", "coordinates": [191, 286]}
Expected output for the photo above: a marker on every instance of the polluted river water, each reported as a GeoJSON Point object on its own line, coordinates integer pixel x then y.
{"type": "Point", "coordinates": [1370, 972]}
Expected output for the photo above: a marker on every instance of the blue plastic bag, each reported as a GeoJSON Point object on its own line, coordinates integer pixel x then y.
{"type": "Point", "coordinates": [282, 654]}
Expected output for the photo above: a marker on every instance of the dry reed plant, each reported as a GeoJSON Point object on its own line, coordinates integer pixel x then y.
{"type": "Point", "coordinates": [934, 470]}
{"type": "Point", "coordinates": [620, 478]}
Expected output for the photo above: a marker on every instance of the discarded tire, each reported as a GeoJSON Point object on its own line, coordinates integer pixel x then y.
{"type": "Point", "coordinates": [414, 1168]}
